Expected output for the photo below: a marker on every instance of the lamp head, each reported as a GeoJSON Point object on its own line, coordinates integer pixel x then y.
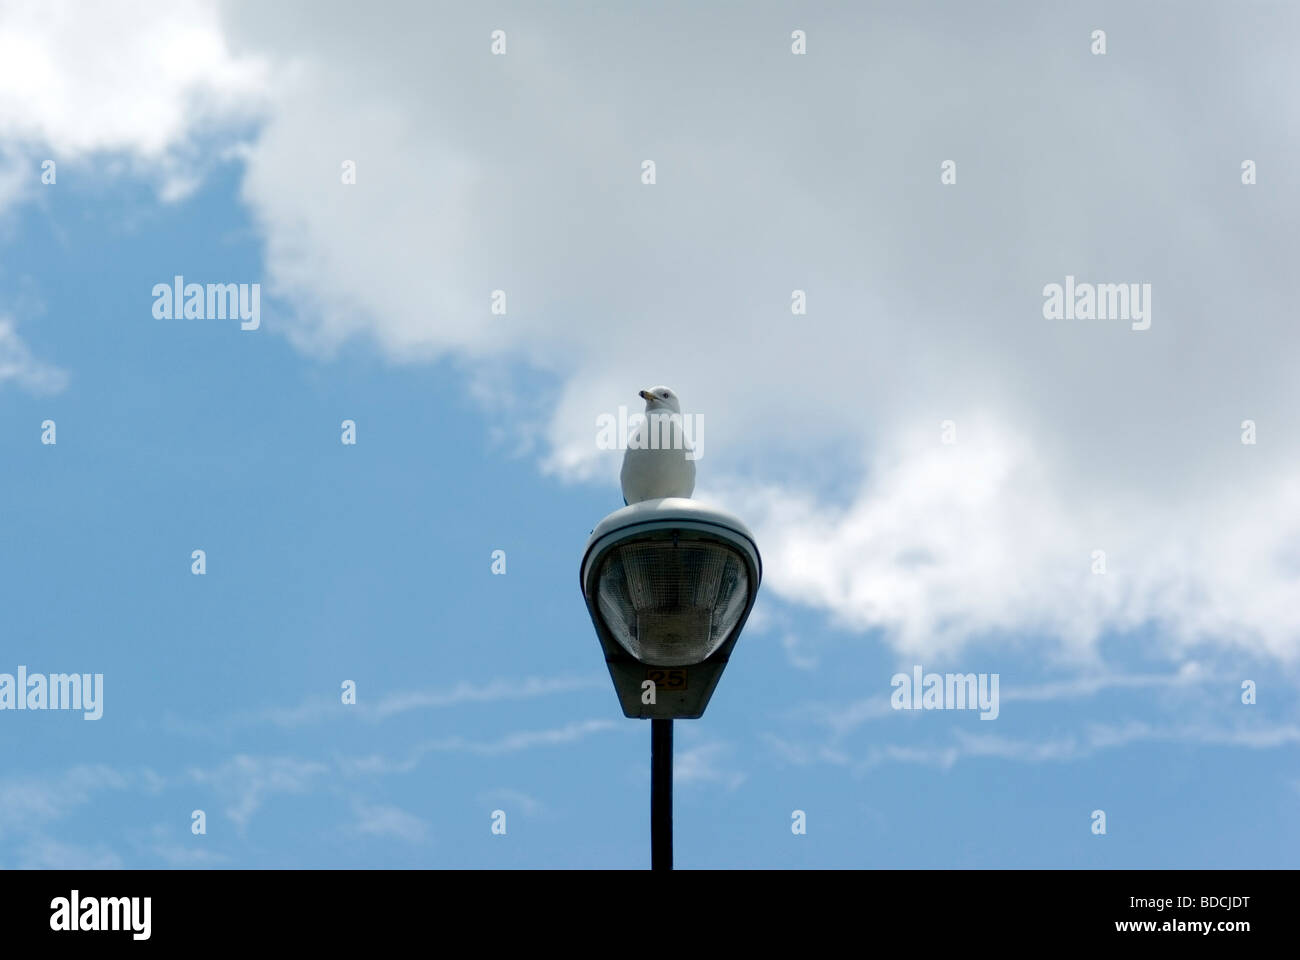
{"type": "Point", "coordinates": [669, 584]}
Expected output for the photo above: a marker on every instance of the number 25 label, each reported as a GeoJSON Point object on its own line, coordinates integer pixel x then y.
{"type": "Point", "coordinates": [667, 679]}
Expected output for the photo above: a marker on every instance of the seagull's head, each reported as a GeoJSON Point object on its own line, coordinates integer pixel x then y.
{"type": "Point", "coordinates": [660, 399]}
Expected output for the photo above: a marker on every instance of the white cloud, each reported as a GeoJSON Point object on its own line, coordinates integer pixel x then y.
{"type": "Point", "coordinates": [791, 644]}
{"type": "Point", "coordinates": [706, 763]}
{"type": "Point", "coordinates": [185, 856]}
{"type": "Point", "coordinates": [138, 78]}
{"type": "Point", "coordinates": [176, 846]}
{"type": "Point", "coordinates": [843, 719]}
{"type": "Point", "coordinates": [776, 173]}
{"type": "Point", "coordinates": [29, 802]}
{"type": "Point", "coordinates": [924, 305]}
{"type": "Point", "coordinates": [17, 364]}
{"type": "Point", "coordinates": [947, 543]}
{"type": "Point", "coordinates": [46, 853]}
{"type": "Point", "coordinates": [384, 820]}
{"type": "Point", "coordinates": [520, 740]}
{"type": "Point", "coordinates": [319, 709]}
{"type": "Point", "coordinates": [510, 743]}
{"type": "Point", "coordinates": [246, 781]}
{"type": "Point", "coordinates": [1094, 738]}
{"type": "Point", "coordinates": [493, 692]}
{"type": "Point", "coordinates": [15, 177]}
{"type": "Point", "coordinates": [802, 755]}
{"type": "Point", "coordinates": [512, 800]}
{"type": "Point", "coordinates": [375, 763]}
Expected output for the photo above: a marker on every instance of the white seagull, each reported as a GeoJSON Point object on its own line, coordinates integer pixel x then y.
{"type": "Point", "coordinates": [661, 470]}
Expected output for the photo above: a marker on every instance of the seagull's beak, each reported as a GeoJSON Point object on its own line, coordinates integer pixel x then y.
{"type": "Point", "coordinates": [647, 395]}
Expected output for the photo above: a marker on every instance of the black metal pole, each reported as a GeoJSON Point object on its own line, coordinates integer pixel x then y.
{"type": "Point", "coordinates": [661, 794]}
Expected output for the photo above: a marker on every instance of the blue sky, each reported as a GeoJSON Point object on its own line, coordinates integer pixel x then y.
{"type": "Point", "coordinates": [372, 562]}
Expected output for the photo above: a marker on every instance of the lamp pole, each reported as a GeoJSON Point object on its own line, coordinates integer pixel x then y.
{"type": "Point", "coordinates": [669, 584]}
{"type": "Point", "coordinates": [661, 794]}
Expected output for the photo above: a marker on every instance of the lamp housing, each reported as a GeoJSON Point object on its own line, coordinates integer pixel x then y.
{"type": "Point", "coordinates": [669, 584]}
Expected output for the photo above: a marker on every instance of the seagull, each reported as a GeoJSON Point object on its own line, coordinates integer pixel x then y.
{"type": "Point", "coordinates": [655, 464]}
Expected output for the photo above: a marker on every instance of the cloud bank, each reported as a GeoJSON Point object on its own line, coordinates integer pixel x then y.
{"type": "Point", "coordinates": [817, 173]}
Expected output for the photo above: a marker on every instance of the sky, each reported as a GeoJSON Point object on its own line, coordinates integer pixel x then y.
{"type": "Point", "coordinates": [939, 474]}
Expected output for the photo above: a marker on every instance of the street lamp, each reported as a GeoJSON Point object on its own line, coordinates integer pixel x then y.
{"type": "Point", "coordinates": [669, 584]}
